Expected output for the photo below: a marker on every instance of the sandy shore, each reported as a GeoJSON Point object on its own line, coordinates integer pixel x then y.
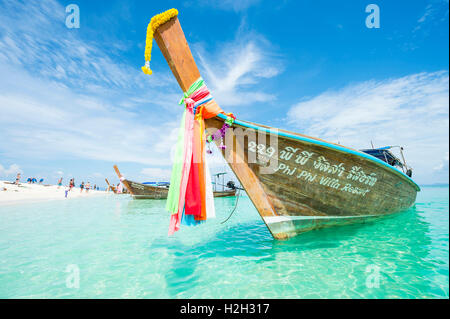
{"type": "Point", "coordinates": [34, 192]}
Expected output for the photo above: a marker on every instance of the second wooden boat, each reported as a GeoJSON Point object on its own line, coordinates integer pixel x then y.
{"type": "Point", "coordinates": [146, 191]}
{"type": "Point", "coordinates": [110, 187]}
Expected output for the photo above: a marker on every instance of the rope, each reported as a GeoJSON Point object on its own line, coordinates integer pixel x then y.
{"type": "Point", "coordinates": [235, 206]}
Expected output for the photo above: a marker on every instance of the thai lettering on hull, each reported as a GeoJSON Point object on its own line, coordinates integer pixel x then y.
{"type": "Point", "coordinates": [294, 162]}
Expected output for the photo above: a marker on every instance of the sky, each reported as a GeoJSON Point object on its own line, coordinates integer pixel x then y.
{"type": "Point", "coordinates": [74, 102]}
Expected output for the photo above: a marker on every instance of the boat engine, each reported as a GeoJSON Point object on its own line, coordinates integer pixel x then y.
{"type": "Point", "coordinates": [231, 185]}
{"type": "Point", "coordinates": [409, 172]}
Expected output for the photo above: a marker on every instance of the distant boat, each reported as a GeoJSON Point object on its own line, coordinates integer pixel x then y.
{"type": "Point", "coordinates": [110, 187]}
{"type": "Point", "coordinates": [155, 190]}
{"type": "Point", "coordinates": [223, 193]}
{"type": "Point", "coordinates": [315, 183]}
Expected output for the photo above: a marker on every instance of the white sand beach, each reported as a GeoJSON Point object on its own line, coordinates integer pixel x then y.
{"type": "Point", "coordinates": [13, 194]}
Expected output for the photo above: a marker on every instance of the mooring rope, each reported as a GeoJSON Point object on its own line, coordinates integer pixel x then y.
{"type": "Point", "coordinates": [235, 206]}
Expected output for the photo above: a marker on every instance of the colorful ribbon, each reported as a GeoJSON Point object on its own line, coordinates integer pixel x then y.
{"type": "Point", "coordinates": [190, 200]}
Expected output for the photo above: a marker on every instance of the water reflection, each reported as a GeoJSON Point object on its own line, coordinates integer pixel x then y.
{"type": "Point", "coordinates": [146, 206]}
{"type": "Point", "coordinates": [403, 236]}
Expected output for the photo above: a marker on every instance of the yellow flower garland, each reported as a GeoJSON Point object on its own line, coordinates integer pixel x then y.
{"type": "Point", "coordinates": [155, 22]}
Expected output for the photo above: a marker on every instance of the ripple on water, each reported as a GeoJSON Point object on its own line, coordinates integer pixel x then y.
{"type": "Point", "coordinates": [122, 250]}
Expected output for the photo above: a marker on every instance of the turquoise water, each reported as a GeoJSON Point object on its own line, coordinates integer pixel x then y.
{"type": "Point", "coordinates": [120, 249]}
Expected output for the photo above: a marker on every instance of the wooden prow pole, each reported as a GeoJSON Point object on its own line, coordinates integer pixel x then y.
{"type": "Point", "coordinates": [173, 45]}
{"type": "Point", "coordinates": [109, 186]}
{"type": "Point", "coordinates": [117, 171]}
{"type": "Point", "coordinates": [125, 182]}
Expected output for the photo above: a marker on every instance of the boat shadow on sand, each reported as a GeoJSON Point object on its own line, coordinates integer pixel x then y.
{"type": "Point", "coordinates": [251, 241]}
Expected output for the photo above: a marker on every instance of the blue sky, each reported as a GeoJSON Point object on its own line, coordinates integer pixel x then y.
{"type": "Point", "coordinates": [73, 102]}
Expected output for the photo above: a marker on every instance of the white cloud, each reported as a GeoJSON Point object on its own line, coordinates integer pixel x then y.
{"type": "Point", "coordinates": [237, 72]}
{"type": "Point", "coordinates": [156, 174]}
{"type": "Point", "coordinates": [442, 167]}
{"type": "Point", "coordinates": [434, 12]}
{"type": "Point", "coordinates": [34, 37]}
{"type": "Point", "coordinates": [58, 123]}
{"type": "Point", "coordinates": [13, 169]}
{"type": "Point", "coordinates": [233, 72]}
{"type": "Point", "coordinates": [428, 11]}
{"type": "Point", "coordinates": [411, 111]}
{"type": "Point", "coordinates": [63, 97]}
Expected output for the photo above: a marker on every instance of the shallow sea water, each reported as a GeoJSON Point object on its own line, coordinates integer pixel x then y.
{"type": "Point", "coordinates": [121, 249]}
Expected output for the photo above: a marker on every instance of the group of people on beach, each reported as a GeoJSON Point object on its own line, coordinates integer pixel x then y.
{"type": "Point", "coordinates": [30, 180]}
{"type": "Point", "coordinates": [86, 186]}
{"type": "Point", "coordinates": [83, 186]}
{"type": "Point", "coordinates": [71, 185]}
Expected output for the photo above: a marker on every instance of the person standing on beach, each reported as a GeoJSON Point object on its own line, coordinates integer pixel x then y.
{"type": "Point", "coordinates": [71, 184]}
{"type": "Point", "coordinates": [119, 188]}
{"type": "Point", "coordinates": [81, 187]}
{"type": "Point", "coordinates": [17, 179]}
{"type": "Point", "coordinates": [60, 182]}
{"type": "Point", "coordinates": [88, 186]}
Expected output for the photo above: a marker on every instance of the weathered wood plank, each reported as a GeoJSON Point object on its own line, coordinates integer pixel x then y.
{"type": "Point", "coordinates": [313, 186]}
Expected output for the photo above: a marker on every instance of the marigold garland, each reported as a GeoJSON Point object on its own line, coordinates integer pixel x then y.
{"type": "Point", "coordinates": [155, 22]}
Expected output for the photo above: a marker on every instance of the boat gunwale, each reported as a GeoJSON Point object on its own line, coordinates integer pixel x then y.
{"type": "Point", "coordinates": [147, 185]}
{"type": "Point", "coordinates": [320, 142]}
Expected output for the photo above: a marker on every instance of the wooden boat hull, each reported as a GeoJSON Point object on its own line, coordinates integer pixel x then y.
{"type": "Point", "coordinates": [110, 187]}
{"type": "Point", "coordinates": [229, 193]}
{"type": "Point", "coordinates": [313, 183]}
{"type": "Point", "coordinates": [143, 191]}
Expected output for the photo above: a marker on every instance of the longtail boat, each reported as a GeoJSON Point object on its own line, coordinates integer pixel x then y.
{"type": "Point", "coordinates": [110, 187]}
{"type": "Point", "coordinates": [296, 182]}
{"type": "Point", "coordinates": [146, 191]}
